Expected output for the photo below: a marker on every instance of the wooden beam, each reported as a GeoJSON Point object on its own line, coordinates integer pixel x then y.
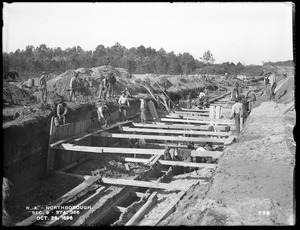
{"type": "Point", "coordinates": [85, 202]}
{"type": "Point", "coordinates": [213, 154]}
{"type": "Point", "coordinates": [104, 150]}
{"type": "Point", "coordinates": [198, 122]}
{"type": "Point", "coordinates": [105, 129]}
{"type": "Point", "coordinates": [172, 163]}
{"type": "Point", "coordinates": [190, 113]}
{"type": "Point", "coordinates": [145, 184]}
{"type": "Point", "coordinates": [143, 210]}
{"type": "Point", "coordinates": [195, 110]}
{"type": "Point", "coordinates": [138, 194]}
{"type": "Point", "coordinates": [155, 160]}
{"type": "Point", "coordinates": [165, 138]}
{"type": "Point", "coordinates": [63, 199]}
{"type": "Point", "coordinates": [119, 209]}
{"type": "Point", "coordinates": [200, 118]}
{"type": "Point", "coordinates": [171, 206]}
{"type": "Point", "coordinates": [174, 126]}
{"type": "Point", "coordinates": [173, 131]}
{"type": "Point", "coordinates": [151, 159]}
{"type": "Point", "coordinates": [229, 140]}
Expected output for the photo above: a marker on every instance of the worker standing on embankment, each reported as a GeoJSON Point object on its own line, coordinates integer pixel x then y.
{"type": "Point", "coordinates": [43, 87]}
{"type": "Point", "coordinates": [73, 87]}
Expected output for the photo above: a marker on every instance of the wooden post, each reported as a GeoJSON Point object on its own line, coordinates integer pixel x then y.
{"type": "Point", "coordinates": [50, 152]}
{"type": "Point", "coordinates": [151, 201]}
{"type": "Point", "coordinates": [241, 123]}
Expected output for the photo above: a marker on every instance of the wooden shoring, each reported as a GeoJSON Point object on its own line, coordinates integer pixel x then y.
{"type": "Point", "coordinates": [143, 210]}
{"type": "Point", "coordinates": [195, 110]}
{"type": "Point", "coordinates": [81, 136]}
{"type": "Point", "coordinates": [63, 199]}
{"type": "Point", "coordinates": [50, 153]}
{"type": "Point", "coordinates": [105, 150]}
{"type": "Point", "coordinates": [164, 138]}
{"type": "Point", "coordinates": [198, 122]}
{"type": "Point", "coordinates": [171, 163]}
{"type": "Point", "coordinates": [171, 206]}
{"type": "Point", "coordinates": [139, 183]}
{"type": "Point", "coordinates": [199, 118]}
{"type": "Point", "coordinates": [176, 131]}
{"type": "Point", "coordinates": [213, 154]}
{"type": "Point", "coordinates": [99, 192]}
{"type": "Point", "coordinates": [174, 126]}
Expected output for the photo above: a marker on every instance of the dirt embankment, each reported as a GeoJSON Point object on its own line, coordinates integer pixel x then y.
{"type": "Point", "coordinates": [254, 182]}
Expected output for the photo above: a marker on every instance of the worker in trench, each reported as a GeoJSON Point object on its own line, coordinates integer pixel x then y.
{"type": "Point", "coordinates": [103, 114]}
{"type": "Point", "coordinates": [123, 105]}
{"type": "Point", "coordinates": [237, 113]}
{"type": "Point", "coordinates": [61, 112]}
{"type": "Point", "coordinates": [251, 98]}
{"type": "Point", "coordinates": [234, 92]}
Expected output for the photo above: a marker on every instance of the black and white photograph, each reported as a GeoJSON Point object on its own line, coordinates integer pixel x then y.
{"type": "Point", "coordinates": [148, 114]}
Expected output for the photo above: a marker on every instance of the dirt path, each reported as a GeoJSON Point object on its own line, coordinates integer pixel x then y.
{"type": "Point", "coordinates": [253, 184]}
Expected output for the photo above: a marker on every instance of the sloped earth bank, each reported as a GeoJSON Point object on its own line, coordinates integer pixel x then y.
{"type": "Point", "coordinates": [253, 184]}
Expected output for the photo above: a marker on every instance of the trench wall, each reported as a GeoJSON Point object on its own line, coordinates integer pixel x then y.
{"type": "Point", "coordinates": [26, 145]}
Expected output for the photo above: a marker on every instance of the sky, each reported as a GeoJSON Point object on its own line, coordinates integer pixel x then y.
{"type": "Point", "coordinates": [250, 33]}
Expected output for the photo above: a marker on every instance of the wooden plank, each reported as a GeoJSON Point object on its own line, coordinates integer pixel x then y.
{"type": "Point", "coordinates": [85, 202]}
{"type": "Point", "coordinates": [152, 110]}
{"type": "Point", "coordinates": [119, 209]}
{"type": "Point", "coordinates": [195, 110]}
{"type": "Point", "coordinates": [104, 150]}
{"type": "Point", "coordinates": [143, 210]}
{"type": "Point", "coordinates": [229, 140]}
{"type": "Point", "coordinates": [145, 184]}
{"type": "Point", "coordinates": [213, 154]}
{"type": "Point", "coordinates": [198, 122]}
{"type": "Point", "coordinates": [171, 206]}
{"type": "Point", "coordinates": [98, 131]}
{"type": "Point", "coordinates": [174, 131]}
{"type": "Point", "coordinates": [172, 163]}
{"type": "Point", "coordinates": [155, 160]}
{"type": "Point", "coordinates": [174, 126]}
{"type": "Point", "coordinates": [151, 159]}
{"type": "Point", "coordinates": [201, 118]}
{"type": "Point", "coordinates": [165, 138]}
{"type": "Point", "coordinates": [138, 194]}
{"type": "Point", "coordinates": [63, 199]}
{"type": "Point", "coordinates": [50, 153]}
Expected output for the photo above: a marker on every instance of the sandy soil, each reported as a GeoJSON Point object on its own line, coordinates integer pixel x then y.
{"type": "Point", "coordinates": [254, 182]}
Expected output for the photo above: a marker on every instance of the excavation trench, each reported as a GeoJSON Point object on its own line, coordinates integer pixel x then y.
{"type": "Point", "coordinates": [117, 203]}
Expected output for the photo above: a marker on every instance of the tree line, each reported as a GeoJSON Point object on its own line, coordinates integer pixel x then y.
{"type": "Point", "coordinates": [137, 60]}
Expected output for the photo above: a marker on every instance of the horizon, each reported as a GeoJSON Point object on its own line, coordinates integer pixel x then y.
{"type": "Point", "coordinates": [262, 33]}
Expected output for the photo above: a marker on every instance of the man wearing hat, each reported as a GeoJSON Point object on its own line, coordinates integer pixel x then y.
{"type": "Point", "coordinates": [43, 87]}
{"type": "Point", "coordinates": [73, 87]}
{"type": "Point", "coordinates": [237, 113]}
{"type": "Point", "coordinates": [62, 111]}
